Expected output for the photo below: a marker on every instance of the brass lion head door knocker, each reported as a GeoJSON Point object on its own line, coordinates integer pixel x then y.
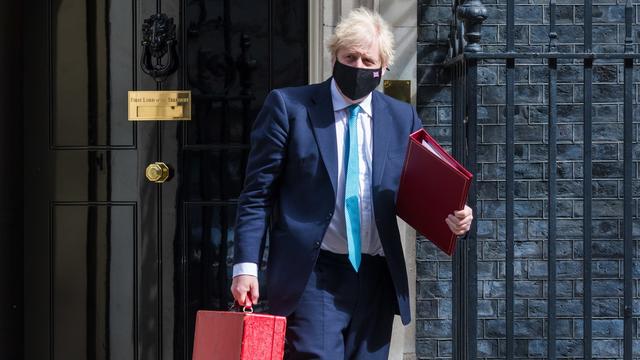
{"type": "Point", "coordinates": [159, 56]}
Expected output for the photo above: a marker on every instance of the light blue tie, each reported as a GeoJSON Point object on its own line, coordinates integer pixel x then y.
{"type": "Point", "coordinates": [352, 188]}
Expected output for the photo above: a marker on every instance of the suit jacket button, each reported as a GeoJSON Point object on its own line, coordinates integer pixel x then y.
{"type": "Point", "coordinates": [316, 244]}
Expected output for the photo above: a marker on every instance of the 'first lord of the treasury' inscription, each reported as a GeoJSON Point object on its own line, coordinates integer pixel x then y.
{"type": "Point", "coordinates": [159, 105]}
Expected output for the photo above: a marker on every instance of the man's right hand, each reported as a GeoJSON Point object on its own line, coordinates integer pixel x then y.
{"type": "Point", "coordinates": [245, 290]}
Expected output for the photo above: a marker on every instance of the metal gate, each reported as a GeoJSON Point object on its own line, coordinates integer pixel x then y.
{"type": "Point", "coordinates": [466, 58]}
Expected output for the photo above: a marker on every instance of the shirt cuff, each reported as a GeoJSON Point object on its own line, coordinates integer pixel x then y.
{"type": "Point", "coordinates": [245, 268]}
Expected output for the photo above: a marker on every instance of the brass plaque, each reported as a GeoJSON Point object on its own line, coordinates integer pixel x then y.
{"type": "Point", "coordinates": [398, 89]}
{"type": "Point", "coordinates": [159, 105]}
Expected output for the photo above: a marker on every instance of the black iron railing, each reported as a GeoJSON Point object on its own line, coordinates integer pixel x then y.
{"type": "Point", "coordinates": [465, 56]}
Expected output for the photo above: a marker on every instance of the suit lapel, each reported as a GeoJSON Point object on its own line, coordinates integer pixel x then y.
{"type": "Point", "coordinates": [323, 122]}
{"type": "Point", "coordinates": [381, 126]}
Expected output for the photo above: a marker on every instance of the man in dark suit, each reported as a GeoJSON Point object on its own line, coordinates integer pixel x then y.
{"type": "Point", "coordinates": [321, 179]}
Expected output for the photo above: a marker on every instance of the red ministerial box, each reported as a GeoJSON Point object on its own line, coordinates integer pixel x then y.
{"type": "Point", "coordinates": [432, 186]}
{"type": "Point", "coordinates": [229, 335]}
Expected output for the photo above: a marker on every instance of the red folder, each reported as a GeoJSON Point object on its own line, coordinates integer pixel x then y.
{"type": "Point", "coordinates": [433, 185]}
{"type": "Point", "coordinates": [226, 335]}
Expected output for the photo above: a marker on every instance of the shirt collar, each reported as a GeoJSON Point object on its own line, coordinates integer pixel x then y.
{"type": "Point", "coordinates": [339, 103]}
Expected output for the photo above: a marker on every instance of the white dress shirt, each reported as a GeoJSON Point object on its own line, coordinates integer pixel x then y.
{"type": "Point", "coordinates": [335, 238]}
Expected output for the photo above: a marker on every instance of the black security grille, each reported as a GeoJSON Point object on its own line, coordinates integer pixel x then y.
{"type": "Point", "coordinates": [465, 58]}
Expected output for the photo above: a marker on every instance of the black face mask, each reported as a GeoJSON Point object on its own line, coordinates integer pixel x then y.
{"type": "Point", "coordinates": [355, 83]}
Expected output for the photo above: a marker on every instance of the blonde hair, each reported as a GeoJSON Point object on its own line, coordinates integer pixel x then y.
{"type": "Point", "coordinates": [359, 29]}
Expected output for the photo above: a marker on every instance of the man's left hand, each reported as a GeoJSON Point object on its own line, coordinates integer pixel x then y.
{"type": "Point", "coordinates": [460, 221]}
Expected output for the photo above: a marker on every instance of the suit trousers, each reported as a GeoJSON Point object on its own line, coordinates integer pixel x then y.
{"type": "Point", "coordinates": [343, 314]}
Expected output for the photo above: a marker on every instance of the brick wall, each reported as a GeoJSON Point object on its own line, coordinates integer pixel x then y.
{"type": "Point", "coordinates": [433, 338]}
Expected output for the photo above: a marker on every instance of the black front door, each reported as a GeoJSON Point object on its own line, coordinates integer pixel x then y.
{"type": "Point", "coordinates": [116, 265]}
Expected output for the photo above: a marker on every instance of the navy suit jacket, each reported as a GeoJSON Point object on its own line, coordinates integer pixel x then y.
{"type": "Point", "coordinates": [290, 188]}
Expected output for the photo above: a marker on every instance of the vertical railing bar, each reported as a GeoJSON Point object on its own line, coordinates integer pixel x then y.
{"type": "Point", "coordinates": [552, 164]}
{"type": "Point", "coordinates": [628, 174]}
{"type": "Point", "coordinates": [463, 268]}
{"type": "Point", "coordinates": [455, 263]}
{"type": "Point", "coordinates": [461, 252]}
{"type": "Point", "coordinates": [586, 185]}
{"type": "Point", "coordinates": [472, 252]}
{"type": "Point", "coordinates": [509, 149]}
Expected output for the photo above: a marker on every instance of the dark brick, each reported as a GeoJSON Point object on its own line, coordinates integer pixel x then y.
{"type": "Point", "coordinates": [569, 348]}
{"type": "Point", "coordinates": [496, 209]}
{"type": "Point", "coordinates": [570, 269]}
{"type": "Point", "coordinates": [431, 54]}
{"type": "Point", "coordinates": [489, 34]}
{"type": "Point", "coordinates": [606, 348]}
{"type": "Point", "coordinates": [488, 190]}
{"type": "Point", "coordinates": [434, 289]}
{"type": "Point", "coordinates": [445, 348]}
{"type": "Point", "coordinates": [487, 348]}
{"type": "Point", "coordinates": [445, 308]}
{"type": "Point", "coordinates": [487, 152]}
{"type": "Point", "coordinates": [487, 308]}
{"type": "Point", "coordinates": [528, 133]}
{"type": "Point", "coordinates": [603, 288]}
{"type": "Point", "coordinates": [521, 75]}
{"type": "Point", "coordinates": [569, 229]}
{"type": "Point", "coordinates": [603, 13]}
{"type": "Point", "coordinates": [520, 34]}
{"type": "Point", "coordinates": [564, 249]}
{"type": "Point", "coordinates": [570, 113]}
{"type": "Point", "coordinates": [486, 229]}
{"type": "Point", "coordinates": [537, 308]}
{"type": "Point", "coordinates": [427, 74]}
{"type": "Point", "coordinates": [428, 114]}
{"type": "Point", "coordinates": [427, 309]}
{"type": "Point", "coordinates": [605, 151]}
{"type": "Point", "coordinates": [519, 152]}
{"type": "Point", "coordinates": [428, 33]}
{"type": "Point", "coordinates": [486, 270]}
{"type": "Point", "coordinates": [605, 34]}
{"type": "Point", "coordinates": [565, 328]}
{"type": "Point", "coordinates": [435, 328]}
{"type": "Point", "coordinates": [565, 93]}
{"type": "Point", "coordinates": [564, 14]}
{"type": "Point", "coordinates": [426, 346]}
{"type": "Point", "coordinates": [607, 249]}
{"type": "Point", "coordinates": [605, 307]}
{"type": "Point", "coordinates": [519, 229]}
{"type": "Point", "coordinates": [444, 115]}
{"type": "Point", "coordinates": [442, 134]}
{"type": "Point", "coordinates": [434, 15]}
{"type": "Point", "coordinates": [605, 269]}
{"type": "Point", "coordinates": [487, 75]}
{"type": "Point", "coordinates": [527, 289]}
{"type": "Point", "coordinates": [607, 208]}
{"type": "Point", "coordinates": [444, 271]}
{"type": "Point", "coordinates": [607, 132]}
{"type": "Point", "coordinates": [602, 93]}
{"type": "Point", "coordinates": [520, 189]}
{"type": "Point", "coordinates": [529, 14]}
{"type": "Point", "coordinates": [567, 34]}
{"type": "Point", "coordinates": [495, 329]}
{"type": "Point", "coordinates": [537, 269]}
{"type": "Point", "coordinates": [569, 307]}
{"type": "Point", "coordinates": [434, 95]}
{"type": "Point", "coordinates": [493, 289]}
{"type": "Point", "coordinates": [605, 73]}
{"type": "Point", "coordinates": [569, 152]}
{"type": "Point", "coordinates": [537, 348]}
{"type": "Point", "coordinates": [427, 270]}
{"type": "Point", "coordinates": [604, 229]}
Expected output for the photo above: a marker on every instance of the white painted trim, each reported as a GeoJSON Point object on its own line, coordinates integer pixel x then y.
{"type": "Point", "coordinates": [316, 40]}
